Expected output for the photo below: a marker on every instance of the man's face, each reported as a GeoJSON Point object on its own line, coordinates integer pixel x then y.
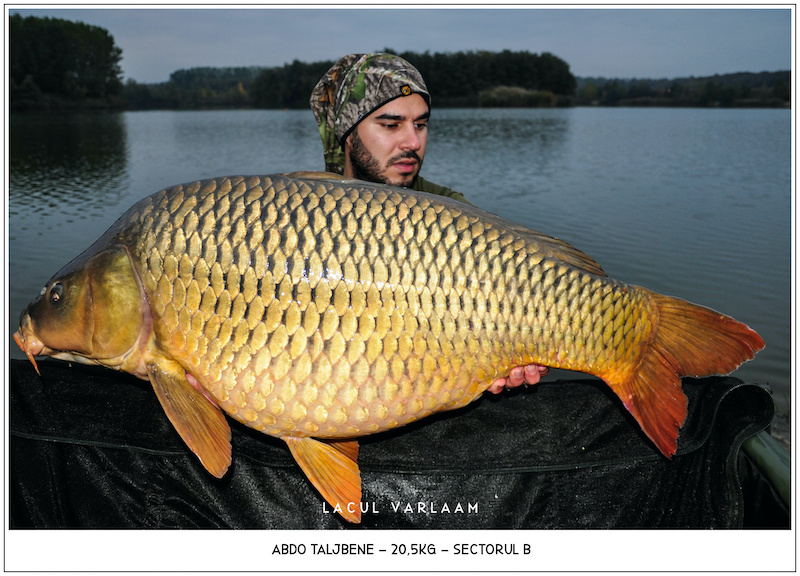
{"type": "Point", "coordinates": [388, 145]}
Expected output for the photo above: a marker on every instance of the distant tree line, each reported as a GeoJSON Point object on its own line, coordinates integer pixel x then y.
{"type": "Point", "coordinates": [454, 79]}
{"type": "Point", "coordinates": [457, 79]}
{"type": "Point", "coordinates": [59, 63]}
{"type": "Point", "coordinates": [743, 89]}
{"type": "Point", "coordinates": [515, 97]}
{"type": "Point", "coordinates": [482, 79]}
{"type": "Point", "coordinates": [203, 87]}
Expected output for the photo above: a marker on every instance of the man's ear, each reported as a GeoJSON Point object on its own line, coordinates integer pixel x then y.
{"type": "Point", "coordinates": [348, 149]}
{"type": "Point", "coordinates": [348, 142]}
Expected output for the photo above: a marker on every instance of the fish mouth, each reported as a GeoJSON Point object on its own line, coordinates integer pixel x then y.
{"type": "Point", "coordinates": [27, 341]}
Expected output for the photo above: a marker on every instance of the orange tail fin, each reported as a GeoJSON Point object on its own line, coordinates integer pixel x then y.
{"type": "Point", "coordinates": [689, 340]}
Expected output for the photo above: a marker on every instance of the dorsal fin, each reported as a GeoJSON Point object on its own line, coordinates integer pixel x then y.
{"type": "Point", "coordinates": [561, 250]}
{"type": "Point", "coordinates": [549, 246]}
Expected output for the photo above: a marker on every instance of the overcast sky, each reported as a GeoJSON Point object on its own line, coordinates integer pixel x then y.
{"type": "Point", "coordinates": [620, 43]}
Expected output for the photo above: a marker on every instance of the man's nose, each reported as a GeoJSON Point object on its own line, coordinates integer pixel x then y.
{"type": "Point", "coordinates": [410, 139]}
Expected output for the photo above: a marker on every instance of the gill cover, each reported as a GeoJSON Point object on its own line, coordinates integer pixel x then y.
{"type": "Point", "coordinates": [91, 307]}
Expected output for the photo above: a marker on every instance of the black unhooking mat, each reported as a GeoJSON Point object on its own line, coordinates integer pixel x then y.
{"type": "Point", "coordinates": [92, 448]}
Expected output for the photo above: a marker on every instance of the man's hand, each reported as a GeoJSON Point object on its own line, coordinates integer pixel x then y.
{"type": "Point", "coordinates": [530, 374]}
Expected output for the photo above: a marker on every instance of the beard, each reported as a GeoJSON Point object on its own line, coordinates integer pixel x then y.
{"type": "Point", "coordinates": [366, 167]}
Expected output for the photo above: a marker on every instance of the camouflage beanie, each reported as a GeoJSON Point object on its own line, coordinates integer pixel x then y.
{"type": "Point", "coordinates": [351, 90]}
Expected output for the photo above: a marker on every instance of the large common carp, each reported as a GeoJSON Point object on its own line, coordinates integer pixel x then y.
{"type": "Point", "coordinates": [318, 309]}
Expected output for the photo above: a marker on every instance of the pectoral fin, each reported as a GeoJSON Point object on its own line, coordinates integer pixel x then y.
{"type": "Point", "coordinates": [332, 471]}
{"type": "Point", "coordinates": [199, 422]}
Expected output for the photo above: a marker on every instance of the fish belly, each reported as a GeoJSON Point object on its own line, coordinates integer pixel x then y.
{"type": "Point", "coordinates": [316, 308]}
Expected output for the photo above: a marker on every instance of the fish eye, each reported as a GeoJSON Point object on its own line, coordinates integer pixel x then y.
{"type": "Point", "coordinates": [56, 292]}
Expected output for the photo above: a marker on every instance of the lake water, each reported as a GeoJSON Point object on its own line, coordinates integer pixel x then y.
{"type": "Point", "coordinates": [693, 203]}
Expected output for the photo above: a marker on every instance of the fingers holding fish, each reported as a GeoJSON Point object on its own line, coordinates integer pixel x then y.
{"type": "Point", "coordinates": [519, 375]}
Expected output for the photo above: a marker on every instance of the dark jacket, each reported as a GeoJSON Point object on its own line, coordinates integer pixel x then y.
{"type": "Point", "coordinates": [422, 185]}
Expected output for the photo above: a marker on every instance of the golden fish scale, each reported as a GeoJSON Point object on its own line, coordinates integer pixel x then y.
{"type": "Point", "coordinates": [310, 308]}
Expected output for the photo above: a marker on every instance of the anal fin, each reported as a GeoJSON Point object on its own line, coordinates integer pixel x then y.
{"type": "Point", "coordinates": [200, 423]}
{"type": "Point", "coordinates": [347, 447]}
{"type": "Point", "coordinates": [332, 471]}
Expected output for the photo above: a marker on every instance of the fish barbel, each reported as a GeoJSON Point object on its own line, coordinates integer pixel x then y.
{"type": "Point", "coordinates": [319, 309]}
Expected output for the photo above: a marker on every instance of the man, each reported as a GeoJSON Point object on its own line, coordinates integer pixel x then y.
{"type": "Point", "coordinates": [372, 111]}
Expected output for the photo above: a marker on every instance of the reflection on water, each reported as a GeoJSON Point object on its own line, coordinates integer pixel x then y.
{"type": "Point", "coordinates": [496, 150]}
{"type": "Point", "coordinates": [65, 171]}
{"type": "Point", "coordinates": [181, 146]}
{"type": "Point", "coordinates": [64, 160]}
{"type": "Point", "coordinates": [692, 203]}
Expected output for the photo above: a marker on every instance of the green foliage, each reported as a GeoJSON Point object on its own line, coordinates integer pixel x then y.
{"type": "Point", "coordinates": [289, 86]}
{"type": "Point", "coordinates": [763, 89]}
{"type": "Point", "coordinates": [782, 90]}
{"type": "Point", "coordinates": [55, 62]}
{"type": "Point", "coordinates": [612, 93]}
{"type": "Point", "coordinates": [152, 96]}
{"type": "Point", "coordinates": [454, 79]}
{"type": "Point", "coordinates": [218, 79]}
{"type": "Point", "coordinates": [203, 87]}
{"type": "Point", "coordinates": [516, 97]}
{"type": "Point", "coordinates": [464, 79]}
